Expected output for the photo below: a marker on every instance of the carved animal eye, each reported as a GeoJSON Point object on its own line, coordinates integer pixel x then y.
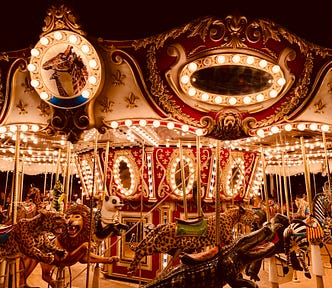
{"type": "Point", "coordinates": [114, 201]}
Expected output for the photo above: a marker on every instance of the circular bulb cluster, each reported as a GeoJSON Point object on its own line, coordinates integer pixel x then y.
{"type": "Point", "coordinates": [276, 84]}
{"type": "Point", "coordinates": [65, 69]}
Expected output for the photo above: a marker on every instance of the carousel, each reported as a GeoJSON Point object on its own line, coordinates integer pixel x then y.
{"type": "Point", "coordinates": [168, 149]}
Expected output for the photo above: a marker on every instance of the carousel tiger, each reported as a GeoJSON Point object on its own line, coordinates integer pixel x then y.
{"type": "Point", "coordinates": [165, 238]}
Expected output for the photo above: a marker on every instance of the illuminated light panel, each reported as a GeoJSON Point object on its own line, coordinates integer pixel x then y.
{"type": "Point", "coordinates": [275, 71]}
{"type": "Point", "coordinates": [71, 95]}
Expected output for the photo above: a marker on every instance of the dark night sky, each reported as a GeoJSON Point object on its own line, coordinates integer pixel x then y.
{"type": "Point", "coordinates": [21, 20]}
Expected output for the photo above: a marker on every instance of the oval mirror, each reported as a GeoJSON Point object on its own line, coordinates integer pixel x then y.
{"type": "Point", "coordinates": [175, 175]}
{"type": "Point", "coordinates": [231, 80]}
{"type": "Point", "coordinates": [124, 174]}
{"type": "Point", "coordinates": [235, 178]}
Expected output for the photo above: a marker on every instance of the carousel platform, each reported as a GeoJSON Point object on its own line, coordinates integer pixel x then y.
{"type": "Point", "coordinates": [79, 278]}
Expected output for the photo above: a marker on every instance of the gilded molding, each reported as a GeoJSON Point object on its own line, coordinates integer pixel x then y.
{"type": "Point", "coordinates": [228, 125]}
{"type": "Point", "coordinates": [163, 188]}
{"type": "Point", "coordinates": [294, 100]}
{"type": "Point", "coordinates": [61, 17]}
{"type": "Point", "coordinates": [72, 122]}
{"type": "Point", "coordinates": [161, 93]}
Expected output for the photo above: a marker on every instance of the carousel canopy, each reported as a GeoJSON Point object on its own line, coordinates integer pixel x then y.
{"type": "Point", "coordinates": [75, 76]}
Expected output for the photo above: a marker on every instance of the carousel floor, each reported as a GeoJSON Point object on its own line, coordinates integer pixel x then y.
{"type": "Point", "coordinates": [79, 278]}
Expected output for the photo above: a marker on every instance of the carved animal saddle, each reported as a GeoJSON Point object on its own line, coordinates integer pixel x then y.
{"type": "Point", "coordinates": [191, 227]}
{"type": "Point", "coordinates": [314, 230]}
{"type": "Point", "coordinates": [5, 232]}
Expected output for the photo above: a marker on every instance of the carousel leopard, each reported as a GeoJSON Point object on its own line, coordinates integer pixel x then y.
{"type": "Point", "coordinates": [30, 237]}
{"type": "Point", "coordinates": [165, 238]}
{"type": "Point", "coordinates": [75, 239]}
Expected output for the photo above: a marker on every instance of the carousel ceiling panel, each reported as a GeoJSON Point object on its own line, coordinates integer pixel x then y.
{"type": "Point", "coordinates": [229, 76]}
{"type": "Point", "coordinates": [226, 78]}
{"type": "Point", "coordinates": [121, 97]}
{"type": "Point", "coordinates": [25, 105]}
{"type": "Point", "coordinates": [320, 105]}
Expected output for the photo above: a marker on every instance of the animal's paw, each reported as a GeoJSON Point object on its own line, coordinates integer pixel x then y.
{"type": "Point", "coordinates": [49, 259]}
{"type": "Point", "coordinates": [114, 259]}
{"type": "Point", "coordinates": [308, 275]}
{"type": "Point", "coordinates": [61, 253]}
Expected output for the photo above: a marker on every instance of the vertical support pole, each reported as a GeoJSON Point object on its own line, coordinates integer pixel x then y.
{"type": "Point", "coordinates": [198, 167]}
{"type": "Point", "coordinates": [183, 175]}
{"type": "Point", "coordinates": [141, 209]}
{"type": "Point", "coordinates": [106, 167]}
{"type": "Point", "coordinates": [67, 175]}
{"type": "Point", "coordinates": [306, 175]}
{"type": "Point", "coordinates": [266, 194]}
{"type": "Point", "coordinates": [17, 174]}
{"type": "Point", "coordinates": [273, 271]}
{"type": "Point", "coordinates": [285, 185]}
{"type": "Point", "coordinates": [280, 192]}
{"type": "Point", "coordinates": [218, 204]}
{"type": "Point", "coordinates": [95, 155]}
{"type": "Point", "coordinates": [327, 165]}
{"type": "Point", "coordinates": [45, 180]}
{"type": "Point", "coordinates": [58, 166]}
{"type": "Point", "coordinates": [317, 264]}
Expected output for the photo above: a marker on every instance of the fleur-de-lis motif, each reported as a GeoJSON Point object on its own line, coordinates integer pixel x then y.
{"type": "Point", "coordinates": [131, 100]}
{"type": "Point", "coordinates": [44, 108]}
{"type": "Point", "coordinates": [22, 107]}
{"type": "Point", "coordinates": [106, 104]}
{"type": "Point", "coordinates": [319, 106]}
{"type": "Point", "coordinates": [117, 78]}
{"type": "Point", "coordinates": [329, 85]}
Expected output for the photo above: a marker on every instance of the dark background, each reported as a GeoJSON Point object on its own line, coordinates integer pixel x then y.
{"type": "Point", "coordinates": [21, 21]}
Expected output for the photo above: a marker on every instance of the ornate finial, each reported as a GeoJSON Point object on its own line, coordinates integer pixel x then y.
{"type": "Point", "coordinates": [61, 17]}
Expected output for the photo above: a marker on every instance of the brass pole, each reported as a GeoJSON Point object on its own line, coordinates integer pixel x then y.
{"type": "Point", "coordinates": [141, 209]}
{"type": "Point", "coordinates": [183, 182]}
{"type": "Point", "coordinates": [218, 204]}
{"type": "Point", "coordinates": [58, 166]}
{"type": "Point", "coordinates": [266, 194]}
{"type": "Point", "coordinates": [67, 173]}
{"type": "Point", "coordinates": [106, 167]}
{"type": "Point", "coordinates": [199, 194]}
{"type": "Point", "coordinates": [17, 174]}
{"type": "Point", "coordinates": [273, 271]}
{"type": "Point", "coordinates": [285, 185]}
{"type": "Point", "coordinates": [317, 265]}
{"type": "Point", "coordinates": [95, 154]}
{"type": "Point", "coordinates": [306, 175]}
{"type": "Point", "coordinates": [327, 165]}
